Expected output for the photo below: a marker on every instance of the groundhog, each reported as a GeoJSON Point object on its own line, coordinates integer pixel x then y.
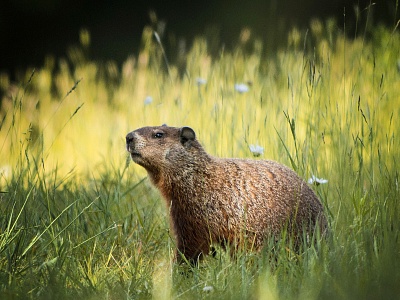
{"type": "Point", "coordinates": [213, 200]}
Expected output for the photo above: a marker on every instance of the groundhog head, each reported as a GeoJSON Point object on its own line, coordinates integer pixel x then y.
{"type": "Point", "coordinates": [160, 147]}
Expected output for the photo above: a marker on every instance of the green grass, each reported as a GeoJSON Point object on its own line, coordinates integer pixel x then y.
{"type": "Point", "coordinates": [78, 221]}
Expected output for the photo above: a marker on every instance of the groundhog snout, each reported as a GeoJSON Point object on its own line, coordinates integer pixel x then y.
{"type": "Point", "coordinates": [129, 138]}
{"type": "Point", "coordinates": [130, 141]}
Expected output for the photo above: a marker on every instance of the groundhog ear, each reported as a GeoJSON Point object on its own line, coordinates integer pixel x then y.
{"type": "Point", "coordinates": [186, 134]}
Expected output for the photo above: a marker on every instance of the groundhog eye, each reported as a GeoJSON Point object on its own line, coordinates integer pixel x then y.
{"type": "Point", "coordinates": [158, 135]}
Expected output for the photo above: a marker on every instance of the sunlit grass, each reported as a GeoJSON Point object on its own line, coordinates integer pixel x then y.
{"type": "Point", "coordinates": [78, 221]}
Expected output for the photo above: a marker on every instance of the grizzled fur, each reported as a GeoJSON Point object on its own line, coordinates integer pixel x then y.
{"type": "Point", "coordinates": [216, 200]}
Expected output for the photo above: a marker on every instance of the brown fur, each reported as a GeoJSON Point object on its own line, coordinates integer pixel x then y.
{"type": "Point", "coordinates": [215, 200]}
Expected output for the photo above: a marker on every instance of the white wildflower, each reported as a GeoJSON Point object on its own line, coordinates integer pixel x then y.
{"type": "Point", "coordinates": [208, 288]}
{"type": "Point", "coordinates": [241, 87]}
{"type": "Point", "coordinates": [256, 150]}
{"type": "Point", "coordinates": [317, 181]}
{"type": "Point", "coordinates": [5, 171]}
{"type": "Point", "coordinates": [200, 81]}
{"type": "Point", "coordinates": [148, 100]}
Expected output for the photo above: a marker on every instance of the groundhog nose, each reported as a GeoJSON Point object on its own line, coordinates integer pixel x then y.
{"type": "Point", "coordinates": [129, 138]}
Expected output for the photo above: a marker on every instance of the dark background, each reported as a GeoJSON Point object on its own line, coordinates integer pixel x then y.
{"type": "Point", "coordinates": [32, 29]}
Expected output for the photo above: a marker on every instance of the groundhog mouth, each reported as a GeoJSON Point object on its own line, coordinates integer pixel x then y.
{"type": "Point", "coordinates": [132, 151]}
{"type": "Point", "coordinates": [135, 154]}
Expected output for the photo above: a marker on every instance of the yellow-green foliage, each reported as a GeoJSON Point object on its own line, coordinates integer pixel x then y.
{"type": "Point", "coordinates": [325, 105]}
{"type": "Point", "coordinates": [342, 85]}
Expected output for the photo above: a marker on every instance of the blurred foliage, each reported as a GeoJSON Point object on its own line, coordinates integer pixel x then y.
{"type": "Point", "coordinates": [77, 220]}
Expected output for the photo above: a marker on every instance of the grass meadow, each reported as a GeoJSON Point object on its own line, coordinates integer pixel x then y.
{"type": "Point", "coordinates": [79, 221]}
